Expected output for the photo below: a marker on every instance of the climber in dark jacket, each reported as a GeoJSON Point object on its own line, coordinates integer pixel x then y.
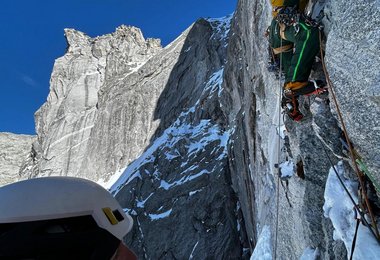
{"type": "Point", "coordinates": [298, 43]}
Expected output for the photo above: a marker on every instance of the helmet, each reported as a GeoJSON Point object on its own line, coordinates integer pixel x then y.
{"type": "Point", "coordinates": [277, 4]}
{"type": "Point", "coordinates": [70, 216]}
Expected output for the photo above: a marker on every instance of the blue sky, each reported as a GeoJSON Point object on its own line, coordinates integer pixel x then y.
{"type": "Point", "coordinates": [32, 38]}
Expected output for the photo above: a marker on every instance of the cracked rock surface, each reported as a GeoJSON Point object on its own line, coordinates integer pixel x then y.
{"type": "Point", "coordinates": [14, 150]}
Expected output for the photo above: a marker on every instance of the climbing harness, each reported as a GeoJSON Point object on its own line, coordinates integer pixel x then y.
{"type": "Point", "coordinates": [374, 229]}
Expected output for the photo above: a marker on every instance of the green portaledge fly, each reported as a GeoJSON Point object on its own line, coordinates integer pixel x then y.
{"type": "Point", "coordinates": [364, 169]}
{"type": "Point", "coordinates": [303, 48]}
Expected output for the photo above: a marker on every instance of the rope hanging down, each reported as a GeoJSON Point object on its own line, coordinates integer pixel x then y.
{"type": "Point", "coordinates": [352, 155]}
{"type": "Point", "coordinates": [355, 236]}
{"type": "Point", "coordinates": [278, 157]}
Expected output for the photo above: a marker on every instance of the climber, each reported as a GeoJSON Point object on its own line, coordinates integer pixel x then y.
{"type": "Point", "coordinates": [297, 41]}
{"type": "Point", "coordinates": [61, 218]}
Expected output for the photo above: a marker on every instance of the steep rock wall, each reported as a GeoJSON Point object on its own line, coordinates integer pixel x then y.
{"type": "Point", "coordinates": [251, 102]}
{"type": "Point", "coordinates": [353, 62]}
{"type": "Point", "coordinates": [179, 190]}
{"type": "Point", "coordinates": [79, 84]}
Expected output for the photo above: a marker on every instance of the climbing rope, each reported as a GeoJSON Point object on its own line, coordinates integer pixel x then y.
{"type": "Point", "coordinates": [278, 156]}
{"type": "Point", "coordinates": [356, 207]}
{"type": "Point", "coordinates": [355, 236]}
{"type": "Point", "coordinates": [352, 155]}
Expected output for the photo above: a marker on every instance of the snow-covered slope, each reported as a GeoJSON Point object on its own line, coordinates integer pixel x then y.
{"type": "Point", "coordinates": [339, 208]}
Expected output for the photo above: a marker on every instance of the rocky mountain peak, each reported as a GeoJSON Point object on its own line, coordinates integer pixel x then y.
{"type": "Point", "coordinates": [77, 41]}
{"type": "Point", "coordinates": [134, 33]}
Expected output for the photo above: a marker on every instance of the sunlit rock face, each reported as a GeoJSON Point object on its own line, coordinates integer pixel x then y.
{"type": "Point", "coordinates": [14, 150]}
{"type": "Point", "coordinates": [80, 113]}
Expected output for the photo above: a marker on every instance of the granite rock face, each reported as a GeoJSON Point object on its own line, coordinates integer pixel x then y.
{"type": "Point", "coordinates": [353, 63]}
{"type": "Point", "coordinates": [67, 124]}
{"type": "Point", "coordinates": [251, 101]}
{"type": "Point", "coordinates": [14, 151]}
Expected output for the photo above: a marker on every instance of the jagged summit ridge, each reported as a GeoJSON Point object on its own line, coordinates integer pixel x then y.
{"type": "Point", "coordinates": [185, 165]}
{"type": "Point", "coordinates": [132, 33]}
{"type": "Point", "coordinates": [89, 67]}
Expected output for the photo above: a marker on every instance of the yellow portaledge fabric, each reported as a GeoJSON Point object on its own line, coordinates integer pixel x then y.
{"type": "Point", "coordinates": [283, 49]}
{"type": "Point", "coordinates": [275, 11]}
{"type": "Point", "coordinates": [275, 6]}
{"type": "Point", "coordinates": [295, 85]}
{"type": "Point", "coordinates": [280, 3]}
{"type": "Point", "coordinates": [277, 2]}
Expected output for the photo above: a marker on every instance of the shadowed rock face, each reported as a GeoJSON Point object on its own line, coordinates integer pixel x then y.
{"type": "Point", "coordinates": [179, 190]}
{"type": "Point", "coordinates": [14, 150]}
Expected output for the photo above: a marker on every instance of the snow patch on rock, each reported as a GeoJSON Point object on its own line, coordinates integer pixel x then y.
{"type": "Point", "coordinates": [263, 249]}
{"type": "Point", "coordinates": [339, 208]}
